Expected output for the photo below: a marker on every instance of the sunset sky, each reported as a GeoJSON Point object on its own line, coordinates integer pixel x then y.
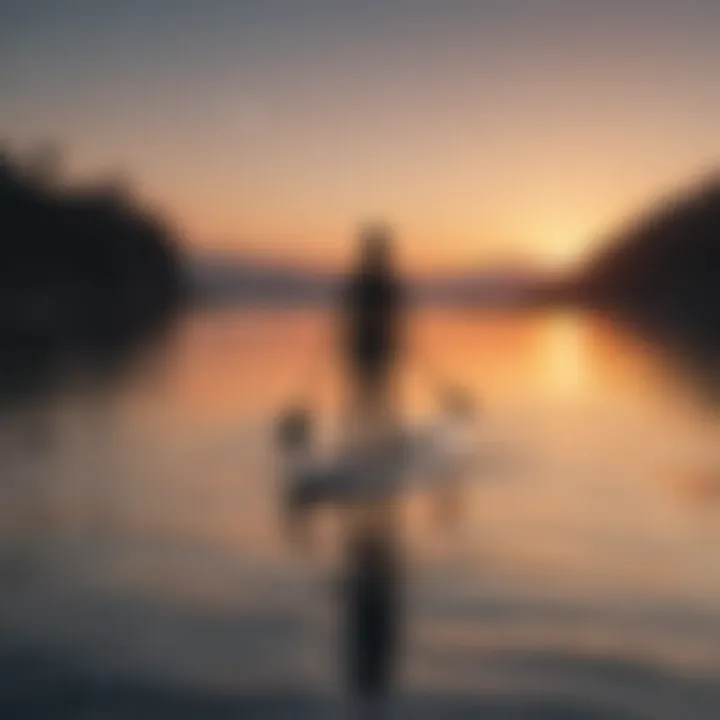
{"type": "Point", "coordinates": [484, 132]}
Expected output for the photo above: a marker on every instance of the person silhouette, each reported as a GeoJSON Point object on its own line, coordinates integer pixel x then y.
{"type": "Point", "coordinates": [371, 314]}
{"type": "Point", "coordinates": [372, 309]}
{"type": "Point", "coordinates": [362, 481]}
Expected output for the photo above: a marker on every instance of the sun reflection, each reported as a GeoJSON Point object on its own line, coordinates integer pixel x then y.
{"type": "Point", "coordinates": [564, 365]}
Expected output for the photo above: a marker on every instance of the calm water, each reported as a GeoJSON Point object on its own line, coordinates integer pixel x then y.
{"type": "Point", "coordinates": [141, 534]}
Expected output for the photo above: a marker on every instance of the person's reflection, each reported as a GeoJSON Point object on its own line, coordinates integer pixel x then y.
{"type": "Point", "coordinates": [372, 602]}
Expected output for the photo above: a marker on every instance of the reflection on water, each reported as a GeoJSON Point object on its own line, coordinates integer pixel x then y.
{"type": "Point", "coordinates": [565, 366]}
{"type": "Point", "coordinates": [141, 534]}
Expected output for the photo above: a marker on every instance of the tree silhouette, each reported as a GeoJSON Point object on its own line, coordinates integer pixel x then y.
{"type": "Point", "coordinates": [83, 268]}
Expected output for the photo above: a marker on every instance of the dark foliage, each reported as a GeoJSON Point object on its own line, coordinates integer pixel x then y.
{"type": "Point", "coordinates": [85, 271]}
{"type": "Point", "coordinates": [664, 270]}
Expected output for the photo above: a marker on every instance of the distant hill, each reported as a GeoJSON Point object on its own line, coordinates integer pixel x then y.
{"type": "Point", "coordinates": [227, 278]}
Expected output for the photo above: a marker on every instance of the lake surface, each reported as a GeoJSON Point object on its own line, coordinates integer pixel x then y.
{"type": "Point", "coordinates": [143, 556]}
